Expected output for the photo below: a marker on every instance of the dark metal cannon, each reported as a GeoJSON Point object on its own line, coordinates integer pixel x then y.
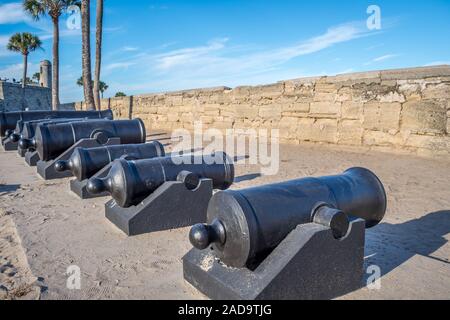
{"type": "Point", "coordinates": [26, 130]}
{"type": "Point", "coordinates": [129, 182]}
{"type": "Point", "coordinates": [246, 225]}
{"type": "Point", "coordinates": [52, 140]}
{"type": "Point", "coordinates": [8, 120]}
{"type": "Point", "coordinates": [85, 162]}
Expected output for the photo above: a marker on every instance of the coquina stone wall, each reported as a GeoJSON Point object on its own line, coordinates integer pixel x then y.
{"type": "Point", "coordinates": [36, 98]}
{"type": "Point", "coordinates": [407, 109]}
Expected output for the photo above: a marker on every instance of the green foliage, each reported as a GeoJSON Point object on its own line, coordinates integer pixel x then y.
{"type": "Point", "coordinates": [24, 43]}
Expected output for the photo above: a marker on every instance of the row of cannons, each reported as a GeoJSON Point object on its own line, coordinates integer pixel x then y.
{"type": "Point", "coordinates": [300, 239]}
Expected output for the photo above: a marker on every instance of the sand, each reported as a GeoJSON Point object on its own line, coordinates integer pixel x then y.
{"type": "Point", "coordinates": [45, 229]}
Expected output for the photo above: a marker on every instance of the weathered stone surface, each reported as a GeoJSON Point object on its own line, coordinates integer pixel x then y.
{"type": "Point", "coordinates": [426, 116]}
{"type": "Point", "coordinates": [352, 110]}
{"type": "Point", "coordinates": [380, 138]}
{"type": "Point", "coordinates": [321, 130]}
{"type": "Point", "coordinates": [330, 108]}
{"type": "Point", "coordinates": [437, 91]}
{"type": "Point", "coordinates": [324, 87]}
{"type": "Point", "coordinates": [416, 73]}
{"type": "Point", "coordinates": [246, 111]}
{"type": "Point", "coordinates": [382, 116]}
{"type": "Point", "coordinates": [296, 107]}
{"type": "Point", "coordinates": [288, 127]}
{"type": "Point", "coordinates": [325, 97]}
{"type": "Point", "coordinates": [350, 132]}
{"type": "Point", "coordinates": [429, 144]}
{"type": "Point", "coordinates": [398, 109]}
{"type": "Point", "coordinates": [272, 111]}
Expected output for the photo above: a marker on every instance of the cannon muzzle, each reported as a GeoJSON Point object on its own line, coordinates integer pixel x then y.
{"type": "Point", "coordinates": [85, 162]}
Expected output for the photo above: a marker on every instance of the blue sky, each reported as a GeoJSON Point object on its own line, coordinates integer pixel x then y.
{"type": "Point", "coordinates": [153, 46]}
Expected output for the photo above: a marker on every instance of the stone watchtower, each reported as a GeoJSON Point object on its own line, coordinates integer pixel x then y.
{"type": "Point", "coordinates": [45, 79]}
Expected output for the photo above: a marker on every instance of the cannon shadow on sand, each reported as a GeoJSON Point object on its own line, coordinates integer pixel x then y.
{"type": "Point", "coordinates": [8, 188]}
{"type": "Point", "coordinates": [390, 245]}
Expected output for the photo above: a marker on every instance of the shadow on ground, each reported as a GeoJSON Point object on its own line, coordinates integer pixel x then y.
{"type": "Point", "coordinates": [247, 177]}
{"type": "Point", "coordinates": [8, 188]}
{"type": "Point", "coordinates": [390, 245]}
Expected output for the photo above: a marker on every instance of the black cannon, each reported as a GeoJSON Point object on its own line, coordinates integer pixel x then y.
{"type": "Point", "coordinates": [8, 120]}
{"type": "Point", "coordinates": [129, 182]}
{"type": "Point", "coordinates": [85, 162]}
{"type": "Point", "coordinates": [246, 225]}
{"type": "Point", "coordinates": [51, 140]}
{"type": "Point", "coordinates": [27, 129]}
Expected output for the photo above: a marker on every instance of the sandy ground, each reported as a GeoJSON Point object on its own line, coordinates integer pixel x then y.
{"type": "Point", "coordinates": [44, 229]}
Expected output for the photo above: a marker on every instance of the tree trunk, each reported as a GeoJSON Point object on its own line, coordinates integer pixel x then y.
{"type": "Point", "coordinates": [98, 54]}
{"type": "Point", "coordinates": [25, 67]}
{"type": "Point", "coordinates": [55, 76]}
{"type": "Point", "coordinates": [24, 80]}
{"type": "Point", "coordinates": [86, 54]}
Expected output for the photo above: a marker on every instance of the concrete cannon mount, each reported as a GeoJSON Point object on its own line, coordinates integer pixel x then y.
{"type": "Point", "coordinates": [45, 228]}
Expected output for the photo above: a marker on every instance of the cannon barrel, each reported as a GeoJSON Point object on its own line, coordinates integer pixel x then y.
{"type": "Point", "coordinates": [8, 120]}
{"type": "Point", "coordinates": [52, 140]}
{"type": "Point", "coordinates": [85, 162]}
{"type": "Point", "coordinates": [244, 226]}
{"type": "Point", "coordinates": [28, 130]}
{"type": "Point", "coordinates": [129, 182]}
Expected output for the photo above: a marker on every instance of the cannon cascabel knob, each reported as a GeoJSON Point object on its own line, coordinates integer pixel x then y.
{"type": "Point", "coordinates": [27, 144]}
{"type": "Point", "coordinates": [62, 165]}
{"type": "Point", "coordinates": [14, 137]}
{"type": "Point", "coordinates": [202, 236]}
{"type": "Point", "coordinates": [97, 186]}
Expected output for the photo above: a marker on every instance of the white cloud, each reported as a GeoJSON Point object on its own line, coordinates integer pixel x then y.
{"type": "Point", "coordinates": [385, 57]}
{"type": "Point", "coordinates": [220, 63]}
{"type": "Point", "coordinates": [14, 71]}
{"type": "Point", "coordinates": [381, 58]}
{"type": "Point", "coordinates": [117, 66]}
{"type": "Point", "coordinates": [4, 39]}
{"type": "Point", "coordinates": [11, 13]}
{"type": "Point", "coordinates": [130, 49]}
{"type": "Point", "coordinates": [186, 56]}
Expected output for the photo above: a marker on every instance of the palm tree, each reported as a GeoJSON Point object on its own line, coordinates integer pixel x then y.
{"type": "Point", "coordinates": [98, 54]}
{"type": "Point", "coordinates": [53, 8]}
{"type": "Point", "coordinates": [102, 87]}
{"type": "Point", "coordinates": [37, 77]}
{"type": "Point", "coordinates": [86, 54]}
{"type": "Point", "coordinates": [24, 43]}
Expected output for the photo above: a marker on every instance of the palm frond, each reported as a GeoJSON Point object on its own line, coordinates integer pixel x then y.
{"type": "Point", "coordinates": [35, 8]}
